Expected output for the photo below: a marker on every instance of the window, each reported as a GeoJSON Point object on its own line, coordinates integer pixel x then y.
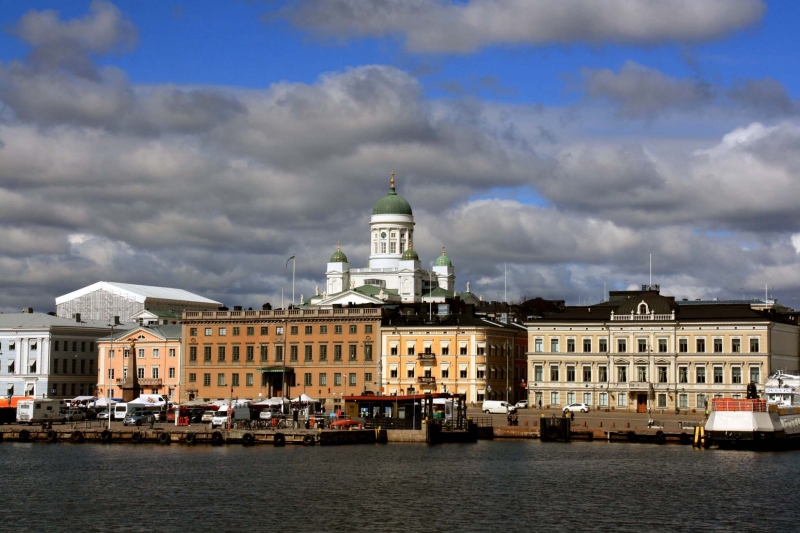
{"type": "Point", "coordinates": [410, 349]}
{"type": "Point", "coordinates": [538, 345]}
{"type": "Point", "coordinates": [193, 332]}
{"type": "Point", "coordinates": [235, 353]}
{"type": "Point", "coordinates": [736, 345]}
{"type": "Point", "coordinates": [554, 398]}
{"type": "Point", "coordinates": [13, 346]}
{"type": "Point", "coordinates": [248, 380]}
{"type": "Point", "coordinates": [251, 330]}
{"type": "Point", "coordinates": [264, 353]}
{"type": "Point", "coordinates": [307, 379]}
{"type": "Point", "coordinates": [445, 373]}
{"type": "Point", "coordinates": [736, 374]}
{"type": "Point", "coordinates": [570, 345]}
{"type": "Point", "coordinates": [462, 349]}
{"type": "Point", "coordinates": [337, 330]}
{"type": "Point", "coordinates": [367, 378]}
{"type": "Point", "coordinates": [587, 345]}
{"type": "Point", "coordinates": [220, 380]}
{"type": "Point", "coordinates": [642, 345]}
{"type": "Point", "coordinates": [308, 356]}
{"type": "Point", "coordinates": [323, 379]}
{"type": "Point", "coordinates": [587, 398]}
{"type": "Point", "coordinates": [278, 330]}
{"type": "Point", "coordinates": [83, 346]}
{"type": "Point", "coordinates": [554, 345]}
{"type": "Point", "coordinates": [141, 353]}
{"type": "Point", "coordinates": [641, 373]}
{"type": "Point", "coordinates": [353, 381]}
{"type": "Point", "coordinates": [236, 331]}
{"type": "Point", "coordinates": [570, 398]}
{"type": "Point", "coordinates": [323, 352]}
{"type": "Point", "coordinates": [570, 374]}
{"type": "Point", "coordinates": [445, 350]}
{"type": "Point", "coordinates": [603, 345]}
{"type": "Point", "coordinates": [662, 374]}
{"type": "Point", "coordinates": [553, 373]}
{"type": "Point", "coordinates": [622, 399]}
{"type": "Point", "coordinates": [622, 345]}
{"type": "Point", "coordinates": [393, 372]}
{"type": "Point", "coordinates": [155, 372]}
{"type": "Point", "coordinates": [368, 328]}
{"type": "Point", "coordinates": [264, 330]}
{"type": "Point", "coordinates": [683, 345]}
{"type": "Point", "coordinates": [368, 352]}
{"type": "Point", "coordinates": [220, 353]}
{"type": "Point", "coordinates": [602, 372]}
{"type": "Point", "coordinates": [622, 374]}
{"type": "Point", "coordinates": [223, 332]}
{"type": "Point", "coordinates": [481, 350]}
{"type": "Point", "coordinates": [337, 352]}
{"type": "Point", "coordinates": [193, 353]}
{"type": "Point", "coordinates": [353, 328]}
{"type": "Point", "coordinates": [293, 352]}
{"type": "Point", "coordinates": [463, 373]}
{"type": "Point", "coordinates": [206, 353]}
{"type": "Point", "coordinates": [700, 374]}
{"type": "Point", "coordinates": [337, 380]}
{"type": "Point", "coordinates": [717, 345]}
{"type": "Point", "coordinates": [309, 330]}
{"type": "Point", "coordinates": [718, 374]}
{"type": "Point", "coordinates": [603, 399]}
{"type": "Point", "coordinates": [172, 352]}
{"type": "Point", "coordinates": [323, 330]}
{"type": "Point", "coordinates": [279, 353]}
{"type": "Point", "coordinates": [538, 373]}
{"type": "Point", "coordinates": [206, 380]}
{"type": "Point", "coordinates": [683, 374]}
{"type": "Point", "coordinates": [171, 372]}
{"type": "Point", "coordinates": [754, 374]}
{"type": "Point", "coordinates": [293, 330]}
{"type": "Point", "coordinates": [702, 400]}
{"type": "Point", "coordinates": [754, 346]}
{"type": "Point", "coordinates": [250, 353]}
{"type": "Point", "coordinates": [701, 345]}
{"type": "Point", "coordinates": [662, 345]}
{"type": "Point", "coordinates": [352, 352]}
{"type": "Point", "coordinates": [661, 400]}
{"type": "Point", "coordinates": [683, 401]}
{"type": "Point", "coordinates": [587, 373]}
{"type": "Point", "coordinates": [140, 372]}
{"type": "Point", "coordinates": [192, 377]}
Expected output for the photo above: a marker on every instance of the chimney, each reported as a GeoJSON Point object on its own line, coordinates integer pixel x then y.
{"type": "Point", "coordinates": [76, 316]}
{"type": "Point", "coordinates": [27, 310]}
{"type": "Point", "coordinates": [116, 320]}
{"type": "Point", "coordinates": [237, 307]}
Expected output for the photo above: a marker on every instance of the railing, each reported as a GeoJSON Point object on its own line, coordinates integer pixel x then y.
{"type": "Point", "coordinates": [150, 382]}
{"type": "Point", "coordinates": [426, 357]}
{"type": "Point", "coordinates": [390, 423]}
{"type": "Point", "coordinates": [482, 421]}
{"type": "Point", "coordinates": [642, 318]}
{"type": "Point", "coordinates": [728, 404]}
{"type": "Point", "coordinates": [283, 313]}
{"type": "Point", "coordinates": [426, 379]}
{"type": "Point", "coordinates": [639, 385]}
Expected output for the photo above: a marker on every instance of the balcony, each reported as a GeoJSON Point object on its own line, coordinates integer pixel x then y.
{"type": "Point", "coordinates": [639, 385]}
{"type": "Point", "coordinates": [426, 358]}
{"type": "Point", "coordinates": [430, 380]}
{"type": "Point", "coordinates": [150, 382]}
{"type": "Point", "coordinates": [642, 318]}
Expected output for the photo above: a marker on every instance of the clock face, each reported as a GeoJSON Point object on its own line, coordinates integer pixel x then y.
{"type": "Point", "coordinates": [383, 235]}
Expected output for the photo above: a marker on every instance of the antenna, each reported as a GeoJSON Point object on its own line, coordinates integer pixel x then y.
{"type": "Point", "coordinates": [651, 270]}
{"type": "Point", "coordinates": [505, 283]}
{"type": "Point", "coordinates": [604, 291]}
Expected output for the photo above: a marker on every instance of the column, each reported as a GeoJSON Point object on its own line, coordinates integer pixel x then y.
{"type": "Point", "coordinates": [18, 356]}
{"type": "Point", "coordinates": [44, 356]}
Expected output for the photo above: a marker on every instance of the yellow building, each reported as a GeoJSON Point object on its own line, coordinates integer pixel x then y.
{"type": "Point", "coordinates": [641, 350]}
{"type": "Point", "coordinates": [457, 353]}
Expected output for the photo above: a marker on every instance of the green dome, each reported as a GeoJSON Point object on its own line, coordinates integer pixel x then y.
{"type": "Point", "coordinates": [392, 203]}
{"type": "Point", "coordinates": [338, 256]}
{"type": "Point", "coordinates": [443, 260]}
{"type": "Point", "coordinates": [410, 255]}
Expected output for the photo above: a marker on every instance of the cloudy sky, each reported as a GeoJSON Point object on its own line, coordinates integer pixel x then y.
{"type": "Point", "coordinates": [200, 144]}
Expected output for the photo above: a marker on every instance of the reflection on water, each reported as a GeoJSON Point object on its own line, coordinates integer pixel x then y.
{"type": "Point", "coordinates": [489, 486]}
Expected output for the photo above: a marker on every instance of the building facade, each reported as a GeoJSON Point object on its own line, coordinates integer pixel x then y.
{"type": "Point", "coordinates": [324, 353]}
{"type": "Point", "coordinates": [458, 353]}
{"type": "Point", "coordinates": [158, 354]}
{"type": "Point", "coordinates": [44, 356]}
{"type": "Point", "coordinates": [641, 351]}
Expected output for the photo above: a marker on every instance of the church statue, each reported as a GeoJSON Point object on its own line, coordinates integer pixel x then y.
{"type": "Point", "coordinates": [382, 295]}
{"type": "Point", "coordinates": [316, 290]}
{"type": "Point", "coordinates": [324, 294]}
{"type": "Point", "coordinates": [468, 286]}
{"type": "Point", "coordinates": [302, 300]}
{"type": "Point", "coordinates": [352, 284]}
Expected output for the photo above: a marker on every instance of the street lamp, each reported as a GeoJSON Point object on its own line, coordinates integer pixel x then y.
{"type": "Point", "coordinates": [108, 377]}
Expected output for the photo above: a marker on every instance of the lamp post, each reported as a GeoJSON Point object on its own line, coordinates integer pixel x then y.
{"type": "Point", "coordinates": [505, 349]}
{"type": "Point", "coordinates": [108, 377]}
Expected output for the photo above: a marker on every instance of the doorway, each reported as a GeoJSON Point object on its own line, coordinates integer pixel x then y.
{"type": "Point", "coordinates": [641, 403]}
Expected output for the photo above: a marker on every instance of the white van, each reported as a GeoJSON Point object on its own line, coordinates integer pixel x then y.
{"type": "Point", "coordinates": [497, 407]}
{"type": "Point", "coordinates": [221, 417]}
{"type": "Point", "coordinates": [120, 410]}
{"type": "Point", "coordinates": [44, 410]}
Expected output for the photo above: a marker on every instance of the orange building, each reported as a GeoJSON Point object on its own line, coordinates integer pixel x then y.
{"type": "Point", "coordinates": [158, 360]}
{"type": "Point", "coordinates": [324, 353]}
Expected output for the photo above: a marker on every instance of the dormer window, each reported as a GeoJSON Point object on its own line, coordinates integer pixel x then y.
{"type": "Point", "coordinates": [642, 309]}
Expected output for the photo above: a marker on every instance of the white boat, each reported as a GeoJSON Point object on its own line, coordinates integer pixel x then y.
{"type": "Point", "coordinates": [772, 423]}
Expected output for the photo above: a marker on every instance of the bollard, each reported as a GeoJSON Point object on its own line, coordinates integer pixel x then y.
{"type": "Point", "coordinates": [584, 424]}
{"type": "Point", "coordinates": [599, 424]}
{"type": "Point", "coordinates": [613, 424]}
{"type": "Point", "coordinates": [627, 424]}
{"type": "Point", "coordinates": [526, 423]}
{"type": "Point", "coordinates": [535, 423]}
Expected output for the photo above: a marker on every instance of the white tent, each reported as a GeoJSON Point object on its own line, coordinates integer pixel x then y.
{"type": "Point", "coordinates": [149, 399]}
{"type": "Point", "coordinates": [277, 400]}
{"type": "Point", "coordinates": [305, 398]}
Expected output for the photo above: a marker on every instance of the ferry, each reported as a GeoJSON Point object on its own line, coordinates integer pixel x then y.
{"type": "Point", "coordinates": [767, 424]}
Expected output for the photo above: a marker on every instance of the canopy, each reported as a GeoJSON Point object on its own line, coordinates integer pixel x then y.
{"type": "Point", "coordinates": [79, 399]}
{"type": "Point", "coordinates": [149, 399]}
{"type": "Point", "coordinates": [277, 400]}
{"type": "Point", "coordinates": [305, 398]}
{"type": "Point", "coordinates": [14, 400]}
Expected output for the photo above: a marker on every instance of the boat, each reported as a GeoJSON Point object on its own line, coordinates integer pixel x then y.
{"type": "Point", "coordinates": [768, 424]}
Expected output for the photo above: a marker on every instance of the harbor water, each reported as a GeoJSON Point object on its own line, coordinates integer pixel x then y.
{"type": "Point", "coordinates": [489, 486]}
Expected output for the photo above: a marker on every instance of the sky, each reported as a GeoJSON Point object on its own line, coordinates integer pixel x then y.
{"type": "Point", "coordinates": [200, 144]}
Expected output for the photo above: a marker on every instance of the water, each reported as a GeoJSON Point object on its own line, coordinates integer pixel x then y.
{"type": "Point", "coordinates": [488, 486]}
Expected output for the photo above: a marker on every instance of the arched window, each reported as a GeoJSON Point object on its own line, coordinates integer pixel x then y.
{"type": "Point", "coordinates": [643, 310]}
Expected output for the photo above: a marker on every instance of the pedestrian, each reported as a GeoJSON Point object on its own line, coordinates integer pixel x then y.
{"type": "Point", "coordinates": [540, 404]}
{"type": "Point", "coordinates": [515, 420]}
{"type": "Point", "coordinates": [510, 419]}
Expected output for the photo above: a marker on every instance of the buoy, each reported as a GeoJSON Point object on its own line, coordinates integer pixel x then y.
{"type": "Point", "coordinates": [52, 436]}
{"type": "Point", "coordinates": [136, 437]}
{"type": "Point", "coordinates": [308, 440]}
{"type": "Point", "coordinates": [24, 435]}
{"type": "Point", "coordinates": [165, 438]}
{"type": "Point", "coordinates": [76, 437]}
{"type": "Point", "coordinates": [191, 438]}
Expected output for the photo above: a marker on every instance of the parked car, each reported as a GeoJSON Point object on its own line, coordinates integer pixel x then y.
{"type": "Point", "coordinates": [522, 404]}
{"type": "Point", "coordinates": [207, 416]}
{"type": "Point", "coordinates": [196, 415]}
{"type": "Point", "coordinates": [91, 414]}
{"type": "Point", "coordinates": [137, 418]}
{"type": "Point", "coordinates": [102, 415]}
{"type": "Point", "coordinates": [73, 415]}
{"type": "Point", "coordinates": [574, 407]}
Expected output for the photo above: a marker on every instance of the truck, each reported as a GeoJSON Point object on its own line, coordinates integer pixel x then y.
{"type": "Point", "coordinates": [45, 410]}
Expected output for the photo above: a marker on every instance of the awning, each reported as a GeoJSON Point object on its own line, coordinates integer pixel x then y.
{"type": "Point", "coordinates": [275, 369]}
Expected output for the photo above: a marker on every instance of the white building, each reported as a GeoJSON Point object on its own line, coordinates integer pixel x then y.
{"type": "Point", "coordinates": [394, 271]}
{"type": "Point", "coordinates": [104, 300]}
{"type": "Point", "coordinates": [46, 356]}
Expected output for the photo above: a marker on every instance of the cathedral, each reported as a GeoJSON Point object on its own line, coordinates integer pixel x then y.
{"type": "Point", "coordinates": [394, 272]}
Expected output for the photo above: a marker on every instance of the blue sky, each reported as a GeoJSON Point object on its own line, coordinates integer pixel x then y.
{"type": "Point", "coordinates": [568, 140]}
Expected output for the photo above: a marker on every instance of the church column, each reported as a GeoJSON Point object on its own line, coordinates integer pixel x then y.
{"type": "Point", "coordinates": [44, 356]}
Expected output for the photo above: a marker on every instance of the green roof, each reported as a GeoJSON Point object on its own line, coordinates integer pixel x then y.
{"type": "Point", "coordinates": [409, 255]}
{"type": "Point", "coordinates": [443, 260]}
{"type": "Point", "coordinates": [338, 256]}
{"type": "Point", "coordinates": [438, 292]}
{"type": "Point", "coordinates": [392, 203]}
